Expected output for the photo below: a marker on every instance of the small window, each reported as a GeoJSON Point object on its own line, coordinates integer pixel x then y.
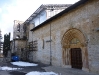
{"type": "Point", "coordinates": [43, 44]}
{"type": "Point", "coordinates": [24, 28]}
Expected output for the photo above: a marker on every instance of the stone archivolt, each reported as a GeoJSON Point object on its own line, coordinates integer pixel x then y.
{"type": "Point", "coordinates": [74, 38]}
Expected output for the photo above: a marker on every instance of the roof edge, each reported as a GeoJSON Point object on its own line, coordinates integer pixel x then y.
{"type": "Point", "coordinates": [61, 13]}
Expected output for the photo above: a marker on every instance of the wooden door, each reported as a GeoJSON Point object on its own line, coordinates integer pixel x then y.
{"type": "Point", "coordinates": [76, 58]}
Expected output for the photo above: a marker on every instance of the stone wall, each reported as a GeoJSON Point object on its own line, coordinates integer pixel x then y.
{"type": "Point", "coordinates": [19, 44]}
{"type": "Point", "coordinates": [84, 18]}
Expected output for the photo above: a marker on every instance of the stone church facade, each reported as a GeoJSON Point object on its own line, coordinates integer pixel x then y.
{"type": "Point", "coordinates": [70, 39]}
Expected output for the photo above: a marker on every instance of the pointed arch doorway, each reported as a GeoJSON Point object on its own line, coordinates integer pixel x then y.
{"type": "Point", "coordinates": [74, 49]}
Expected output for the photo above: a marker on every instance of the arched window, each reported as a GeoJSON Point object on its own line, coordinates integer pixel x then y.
{"type": "Point", "coordinates": [24, 28]}
{"type": "Point", "coordinates": [18, 27]}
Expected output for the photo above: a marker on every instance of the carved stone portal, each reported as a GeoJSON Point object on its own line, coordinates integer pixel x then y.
{"type": "Point", "coordinates": [74, 38]}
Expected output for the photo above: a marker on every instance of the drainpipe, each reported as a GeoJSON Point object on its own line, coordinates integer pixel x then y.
{"type": "Point", "coordinates": [50, 47]}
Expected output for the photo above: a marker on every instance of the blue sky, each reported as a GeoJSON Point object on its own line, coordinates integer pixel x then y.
{"type": "Point", "coordinates": [11, 10]}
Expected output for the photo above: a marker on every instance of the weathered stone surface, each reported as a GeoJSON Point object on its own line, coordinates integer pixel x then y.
{"type": "Point", "coordinates": [85, 18]}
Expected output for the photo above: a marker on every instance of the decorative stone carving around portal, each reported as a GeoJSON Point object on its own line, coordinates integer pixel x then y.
{"type": "Point", "coordinates": [74, 38]}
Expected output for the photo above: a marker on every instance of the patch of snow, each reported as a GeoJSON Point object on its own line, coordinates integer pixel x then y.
{"type": "Point", "coordinates": [20, 63]}
{"type": "Point", "coordinates": [9, 68]}
{"type": "Point", "coordinates": [41, 73]}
